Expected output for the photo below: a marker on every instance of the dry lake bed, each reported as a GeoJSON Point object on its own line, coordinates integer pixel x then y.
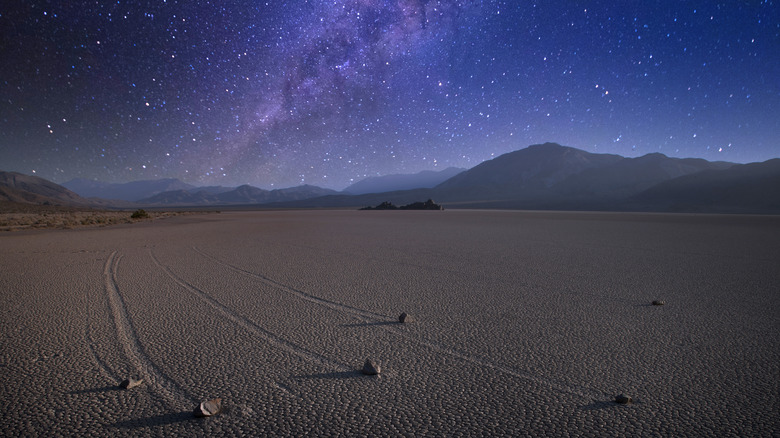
{"type": "Point", "coordinates": [525, 324]}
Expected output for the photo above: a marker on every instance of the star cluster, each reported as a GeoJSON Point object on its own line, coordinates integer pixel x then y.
{"type": "Point", "coordinates": [281, 93]}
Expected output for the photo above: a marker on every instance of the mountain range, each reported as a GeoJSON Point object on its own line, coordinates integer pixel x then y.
{"type": "Point", "coordinates": [241, 195]}
{"type": "Point", "coordinates": [172, 192]}
{"type": "Point", "coordinates": [554, 177]}
{"type": "Point", "coordinates": [545, 176]}
{"type": "Point", "coordinates": [389, 183]}
{"type": "Point", "coordinates": [131, 191]}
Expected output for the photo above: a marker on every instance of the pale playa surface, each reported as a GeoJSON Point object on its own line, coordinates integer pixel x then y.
{"type": "Point", "coordinates": [527, 324]}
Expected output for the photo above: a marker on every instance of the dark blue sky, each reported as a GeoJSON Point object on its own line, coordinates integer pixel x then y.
{"type": "Point", "coordinates": [276, 94]}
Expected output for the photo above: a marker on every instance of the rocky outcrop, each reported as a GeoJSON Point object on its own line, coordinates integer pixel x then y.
{"type": "Point", "coordinates": [427, 205]}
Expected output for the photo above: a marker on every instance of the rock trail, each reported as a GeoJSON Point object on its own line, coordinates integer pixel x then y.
{"type": "Point", "coordinates": [167, 388]}
{"type": "Point", "coordinates": [365, 316]}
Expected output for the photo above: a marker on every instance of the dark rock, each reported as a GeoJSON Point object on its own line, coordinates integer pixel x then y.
{"type": "Point", "coordinates": [383, 206]}
{"type": "Point", "coordinates": [371, 369]}
{"type": "Point", "coordinates": [623, 399]}
{"type": "Point", "coordinates": [659, 302]}
{"type": "Point", "coordinates": [405, 318]}
{"type": "Point", "coordinates": [209, 408]}
{"type": "Point", "coordinates": [427, 205]}
{"type": "Point", "coordinates": [130, 383]}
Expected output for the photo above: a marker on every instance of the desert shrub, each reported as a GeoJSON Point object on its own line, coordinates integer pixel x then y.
{"type": "Point", "coordinates": [139, 214]}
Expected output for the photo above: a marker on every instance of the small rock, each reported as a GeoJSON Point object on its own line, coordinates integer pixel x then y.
{"type": "Point", "coordinates": [209, 408]}
{"type": "Point", "coordinates": [659, 302]}
{"type": "Point", "coordinates": [623, 399]}
{"type": "Point", "coordinates": [130, 383]}
{"type": "Point", "coordinates": [405, 317]}
{"type": "Point", "coordinates": [370, 368]}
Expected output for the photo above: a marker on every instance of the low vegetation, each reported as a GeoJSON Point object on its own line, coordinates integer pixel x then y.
{"type": "Point", "coordinates": [26, 217]}
{"type": "Point", "coordinates": [139, 214]}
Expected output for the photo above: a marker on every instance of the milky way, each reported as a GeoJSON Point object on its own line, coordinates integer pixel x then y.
{"type": "Point", "coordinates": [278, 94]}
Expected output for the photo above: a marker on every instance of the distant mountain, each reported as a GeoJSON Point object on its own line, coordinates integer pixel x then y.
{"type": "Point", "coordinates": [180, 197]}
{"type": "Point", "coordinates": [242, 195]}
{"type": "Point", "coordinates": [528, 173]}
{"type": "Point", "coordinates": [17, 187]}
{"type": "Point", "coordinates": [131, 191]}
{"type": "Point", "coordinates": [551, 176]}
{"type": "Point", "coordinates": [214, 190]}
{"type": "Point", "coordinates": [547, 176]}
{"type": "Point", "coordinates": [630, 176]}
{"type": "Point", "coordinates": [741, 188]}
{"type": "Point", "coordinates": [305, 191]}
{"type": "Point", "coordinates": [390, 183]}
{"type": "Point", "coordinates": [554, 177]}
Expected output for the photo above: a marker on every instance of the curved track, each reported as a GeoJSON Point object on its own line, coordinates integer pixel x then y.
{"type": "Point", "coordinates": [395, 329]}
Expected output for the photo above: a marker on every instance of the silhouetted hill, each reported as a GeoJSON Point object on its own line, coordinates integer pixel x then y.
{"type": "Point", "coordinates": [528, 173]}
{"type": "Point", "coordinates": [391, 183]}
{"type": "Point", "coordinates": [17, 187]}
{"type": "Point", "coordinates": [741, 188]}
{"type": "Point", "coordinates": [131, 191]}
{"type": "Point", "coordinates": [630, 176]}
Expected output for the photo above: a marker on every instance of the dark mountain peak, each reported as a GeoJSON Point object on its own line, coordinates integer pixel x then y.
{"type": "Point", "coordinates": [551, 150]}
{"type": "Point", "coordinates": [305, 188]}
{"type": "Point", "coordinates": [546, 146]}
{"type": "Point", "coordinates": [652, 156]}
{"type": "Point", "coordinates": [537, 167]}
{"type": "Point", "coordinates": [246, 188]}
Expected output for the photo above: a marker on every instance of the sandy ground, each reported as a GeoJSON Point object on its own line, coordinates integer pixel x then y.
{"type": "Point", "coordinates": [528, 324]}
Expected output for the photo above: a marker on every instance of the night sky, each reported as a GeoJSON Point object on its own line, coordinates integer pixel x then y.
{"type": "Point", "coordinates": [282, 93]}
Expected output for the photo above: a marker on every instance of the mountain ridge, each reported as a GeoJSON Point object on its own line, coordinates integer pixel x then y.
{"type": "Point", "coordinates": [553, 177]}
{"type": "Point", "coordinates": [545, 176]}
{"type": "Point", "coordinates": [243, 194]}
